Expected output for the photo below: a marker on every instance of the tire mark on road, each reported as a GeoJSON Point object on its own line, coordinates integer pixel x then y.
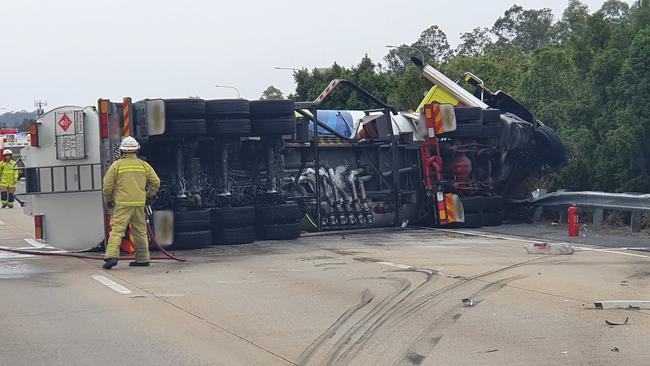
{"type": "Point", "coordinates": [386, 319]}
{"type": "Point", "coordinates": [305, 356]}
{"type": "Point", "coordinates": [401, 285]}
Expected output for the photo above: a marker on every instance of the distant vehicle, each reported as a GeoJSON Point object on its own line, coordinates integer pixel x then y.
{"type": "Point", "coordinates": [235, 171]}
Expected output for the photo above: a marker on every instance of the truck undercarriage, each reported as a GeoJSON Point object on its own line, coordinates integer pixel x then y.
{"type": "Point", "coordinates": [234, 171]}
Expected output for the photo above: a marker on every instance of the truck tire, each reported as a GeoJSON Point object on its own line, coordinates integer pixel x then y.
{"type": "Point", "coordinates": [472, 220]}
{"type": "Point", "coordinates": [233, 216]}
{"type": "Point", "coordinates": [194, 220]}
{"type": "Point", "coordinates": [274, 126]}
{"type": "Point", "coordinates": [467, 114]}
{"type": "Point", "coordinates": [483, 219]}
{"type": "Point", "coordinates": [192, 239]}
{"type": "Point", "coordinates": [550, 146]}
{"type": "Point", "coordinates": [493, 203]}
{"type": "Point", "coordinates": [475, 130]}
{"type": "Point", "coordinates": [479, 204]}
{"type": "Point", "coordinates": [229, 127]}
{"type": "Point", "coordinates": [235, 235]}
{"type": "Point", "coordinates": [272, 108]}
{"type": "Point", "coordinates": [279, 231]}
{"type": "Point", "coordinates": [185, 127]}
{"type": "Point", "coordinates": [491, 116]}
{"type": "Point", "coordinates": [228, 108]}
{"type": "Point", "coordinates": [184, 108]}
{"type": "Point", "coordinates": [472, 204]}
{"type": "Point", "coordinates": [285, 213]}
{"type": "Point", "coordinates": [491, 131]}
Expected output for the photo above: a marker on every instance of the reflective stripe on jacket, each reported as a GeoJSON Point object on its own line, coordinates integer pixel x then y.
{"type": "Point", "coordinates": [130, 181]}
{"type": "Point", "coordinates": [8, 175]}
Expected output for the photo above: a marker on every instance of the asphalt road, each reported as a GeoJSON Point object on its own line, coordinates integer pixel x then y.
{"type": "Point", "coordinates": [375, 298]}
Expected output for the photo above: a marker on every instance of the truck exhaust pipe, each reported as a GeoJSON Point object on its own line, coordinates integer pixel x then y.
{"type": "Point", "coordinates": [448, 85]}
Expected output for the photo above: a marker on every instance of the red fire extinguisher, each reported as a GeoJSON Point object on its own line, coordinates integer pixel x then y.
{"type": "Point", "coordinates": [574, 228]}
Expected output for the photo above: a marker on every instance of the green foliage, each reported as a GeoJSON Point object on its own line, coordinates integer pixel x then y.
{"type": "Point", "coordinates": [272, 93]}
{"type": "Point", "coordinates": [587, 75]}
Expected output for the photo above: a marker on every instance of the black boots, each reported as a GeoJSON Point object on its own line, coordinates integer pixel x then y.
{"type": "Point", "coordinates": [138, 264]}
{"type": "Point", "coordinates": [110, 263]}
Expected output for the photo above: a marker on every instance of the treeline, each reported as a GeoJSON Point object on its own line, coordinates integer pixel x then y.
{"type": "Point", "coordinates": [16, 119]}
{"type": "Point", "coordinates": [586, 74]}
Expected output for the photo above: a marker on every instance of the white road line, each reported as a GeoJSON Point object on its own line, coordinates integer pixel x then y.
{"type": "Point", "coordinates": [7, 255]}
{"type": "Point", "coordinates": [111, 284]}
{"type": "Point", "coordinates": [36, 244]}
{"type": "Point", "coordinates": [396, 265]}
{"type": "Point", "coordinates": [610, 251]}
{"type": "Point", "coordinates": [2, 223]}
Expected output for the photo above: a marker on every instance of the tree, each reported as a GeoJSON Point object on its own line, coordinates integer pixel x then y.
{"type": "Point", "coordinates": [474, 43]}
{"type": "Point", "coordinates": [272, 93]}
{"type": "Point", "coordinates": [574, 19]}
{"type": "Point", "coordinates": [432, 44]}
{"type": "Point", "coordinates": [398, 58]}
{"type": "Point", "coordinates": [526, 29]}
{"type": "Point", "coordinates": [615, 10]}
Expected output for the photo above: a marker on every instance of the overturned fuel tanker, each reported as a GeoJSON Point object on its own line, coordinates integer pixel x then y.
{"type": "Point", "coordinates": [234, 171]}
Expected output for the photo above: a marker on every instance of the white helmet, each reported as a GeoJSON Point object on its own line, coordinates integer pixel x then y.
{"type": "Point", "coordinates": [129, 144]}
{"type": "Point", "coordinates": [7, 152]}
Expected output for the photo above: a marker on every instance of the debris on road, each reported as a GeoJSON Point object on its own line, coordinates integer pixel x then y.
{"type": "Point", "coordinates": [623, 304]}
{"type": "Point", "coordinates": [467, 302]}
{"type": "Point", "coordinates": [616, 323]}
{"type": "Point", "coordinates": [615, 349]}
{"type": "Point", "coordinates": [550, 248]}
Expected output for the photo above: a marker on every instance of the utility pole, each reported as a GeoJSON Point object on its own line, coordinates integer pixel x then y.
{"type": "Point", "coordinates": [39, 104]}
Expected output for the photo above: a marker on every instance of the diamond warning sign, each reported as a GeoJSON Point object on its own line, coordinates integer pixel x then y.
{"type": "Point", "coordinates": [65, 122]}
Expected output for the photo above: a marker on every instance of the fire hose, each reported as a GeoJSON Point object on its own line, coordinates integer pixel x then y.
{"type": "Point", "coordinates": [166, 255]}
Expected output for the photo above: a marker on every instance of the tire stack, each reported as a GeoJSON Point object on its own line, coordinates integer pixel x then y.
{"type": "Point", "coordinates": [185, 117]}
{"type": "Point", "coordinates": [192, 229]}
{"type": "Point", "coordinates": [279, 221]}
{"type": "Point", "coordinates": [476, 123]}
{"type": "Point", "coordinates": [272, 117]}
{"type": "Point", "coordinates": [228, 117]}
{"type": "Point", "coordinates": [482, 211]}
{"type": "Point", "coordinates": [233, 225]}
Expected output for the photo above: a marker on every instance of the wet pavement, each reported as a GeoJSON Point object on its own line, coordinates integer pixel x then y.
{"type": "Point", "coordinates": [383, 297]}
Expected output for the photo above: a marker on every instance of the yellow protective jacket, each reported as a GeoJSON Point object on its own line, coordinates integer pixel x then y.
{"type": "Point", "coordinates": [8, 175]}
{"type": "Point", "coordinates": [130, 181]}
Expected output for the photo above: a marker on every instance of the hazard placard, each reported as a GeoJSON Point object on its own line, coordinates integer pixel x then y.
{"type": "Point", "coordinates": [70, 139]}
{"type": "Point", "coordinates": [66, 123]}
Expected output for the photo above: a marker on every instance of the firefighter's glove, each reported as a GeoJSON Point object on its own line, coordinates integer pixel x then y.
{"type": "Point", "coordinates": [110, 205]}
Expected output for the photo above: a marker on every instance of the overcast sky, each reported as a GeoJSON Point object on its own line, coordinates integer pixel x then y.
{"type": "Point", "coordinates": [76, 51]}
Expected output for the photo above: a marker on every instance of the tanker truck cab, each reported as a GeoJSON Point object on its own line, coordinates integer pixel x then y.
{"type": "Point", "coordinates": [71, 149]}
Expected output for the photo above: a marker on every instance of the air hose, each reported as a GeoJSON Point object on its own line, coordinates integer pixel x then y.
{"type": "Point", "coordinates": [166, 256]}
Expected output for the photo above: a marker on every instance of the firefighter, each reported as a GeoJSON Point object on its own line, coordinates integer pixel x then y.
{"type": "Point", "coordinates": [8, 178]}
{"type": "Point", "coordinates": [128, 184]}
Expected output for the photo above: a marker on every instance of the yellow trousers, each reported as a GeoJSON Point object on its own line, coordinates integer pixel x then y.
{"type": "Point", "coordinates": [135, 217]}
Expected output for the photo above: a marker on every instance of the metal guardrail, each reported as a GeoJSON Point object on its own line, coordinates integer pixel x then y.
{"type": "Point", "coordinates": [635, 203]}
